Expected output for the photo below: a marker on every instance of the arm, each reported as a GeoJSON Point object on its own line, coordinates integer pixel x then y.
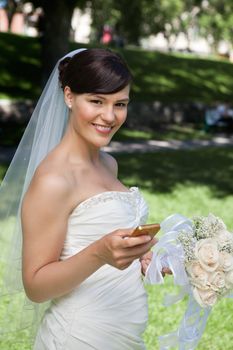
{"type": "Point", "coordinates": [44, 221]}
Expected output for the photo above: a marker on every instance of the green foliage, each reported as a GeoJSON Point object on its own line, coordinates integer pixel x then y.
{"type": "Point", "coordinates": [215, 22]}
{"type": "Point", "coordinates": [212, 19]}
{"type": "Point", "coordinates": [163, 16]}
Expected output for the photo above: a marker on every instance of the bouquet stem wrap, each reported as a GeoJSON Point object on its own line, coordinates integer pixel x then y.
{"type": "Point", "coordinates": [168, 252]}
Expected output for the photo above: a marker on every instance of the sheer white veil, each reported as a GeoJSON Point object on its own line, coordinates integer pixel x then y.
{"type": "Point", "coordinates": [44, 131]}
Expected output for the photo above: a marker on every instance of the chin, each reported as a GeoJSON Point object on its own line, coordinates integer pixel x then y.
{"type": "Point", "coordinates": [103, 144]}
{"type": "Point", "coordinates": [99, 143]}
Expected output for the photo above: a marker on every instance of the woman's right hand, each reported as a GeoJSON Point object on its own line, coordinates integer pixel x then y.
{"type": "Point", "coordinates": [120, 250]}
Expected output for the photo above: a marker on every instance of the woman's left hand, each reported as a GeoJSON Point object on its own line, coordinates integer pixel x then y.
{"type": "Point", "coordinates": [145, 261]}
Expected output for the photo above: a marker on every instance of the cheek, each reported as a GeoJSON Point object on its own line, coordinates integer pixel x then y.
{"type": "Point", "coordinates": [122, 117]}
{"type": "Point", "coordinates": [83, 115]}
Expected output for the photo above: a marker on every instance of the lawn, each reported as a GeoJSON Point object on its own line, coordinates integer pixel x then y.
{"type": "Point", "coordinates": [164, 132]}
{"type": "Point", "coordinates": [169, 77]}
{"type": "Point", "coordinates": [191, 183]}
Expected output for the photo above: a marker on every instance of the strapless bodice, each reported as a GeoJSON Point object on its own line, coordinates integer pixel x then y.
{"type": "Point", "coordinates": [108, 311]}
{"type": "Point", "coordinates": [102, 214]}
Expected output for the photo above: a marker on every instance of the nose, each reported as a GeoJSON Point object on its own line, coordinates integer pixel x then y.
{"type": "Point", "coordinates": [108, 115]}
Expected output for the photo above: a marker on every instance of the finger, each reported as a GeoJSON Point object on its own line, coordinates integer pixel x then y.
{"type": "Point", "coordinates": [124, 232]}
{"type": "Point", "coordinates": [136, 241]}
{"type": "Point", "coordinates": [147, 256]}
{"type": "Point", "coordinates": [137, 251]}
{"type": "Point", "coordinates": [143, 269]}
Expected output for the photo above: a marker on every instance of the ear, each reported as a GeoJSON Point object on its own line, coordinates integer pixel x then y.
{"type": "Point", "coordinates": [68, 96]}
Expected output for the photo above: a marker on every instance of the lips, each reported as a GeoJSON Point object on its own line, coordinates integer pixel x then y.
{"type": "Point", "coordinates": [102, 128]}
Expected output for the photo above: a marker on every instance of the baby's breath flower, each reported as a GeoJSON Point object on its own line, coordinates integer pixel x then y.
{"type": "Point", "coordinates": [207, 226]}
{"type": "Point", "coordinates": [188, 243]}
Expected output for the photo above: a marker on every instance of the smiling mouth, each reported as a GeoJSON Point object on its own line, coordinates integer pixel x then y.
{"type": "Point", "coordinates": [102, 127]}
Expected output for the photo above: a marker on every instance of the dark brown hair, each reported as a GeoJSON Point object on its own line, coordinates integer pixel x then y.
{"type": "Point", "coordinates": [94, 71]}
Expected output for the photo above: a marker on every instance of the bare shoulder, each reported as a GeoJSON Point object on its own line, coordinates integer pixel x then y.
{"type": "Point", "coordinates": [110, 162]}
{"type": "Point", "coordinates": [48, 187]}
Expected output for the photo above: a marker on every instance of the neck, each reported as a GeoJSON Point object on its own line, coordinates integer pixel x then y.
{"type": "Point", "coordinates": [78, 148]}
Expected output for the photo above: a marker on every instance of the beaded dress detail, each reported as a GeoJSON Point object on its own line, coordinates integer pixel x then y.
{"type": "Point", "coordinates": [108, 311]}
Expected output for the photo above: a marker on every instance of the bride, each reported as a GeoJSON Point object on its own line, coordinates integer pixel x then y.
{"type": "Point", "coordinates": [77, 216]}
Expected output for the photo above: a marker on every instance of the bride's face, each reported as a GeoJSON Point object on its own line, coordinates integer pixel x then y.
{"type": "Point", "coordinates": [96, 117]}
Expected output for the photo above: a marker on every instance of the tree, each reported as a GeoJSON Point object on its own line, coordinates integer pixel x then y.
{"type": "Point", "coordinates": [103, 12]}
{"type": "Point", "coordinates": [127, 20]}
{"type": "Point", "coordinates": [163, 16]}
{"type": "Point", "coordinates": [56, 23]}
{"type": "Point", "coordinates": [11, 8]}
{"type": "Point", "coordinates": [131, 19]}
{"type": "Point", "coordinates": [216, 22]}
{"type": "Point", "coordinates": [189, 19]}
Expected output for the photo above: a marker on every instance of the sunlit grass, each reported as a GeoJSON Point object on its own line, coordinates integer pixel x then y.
{"type": "Point", "coordinates": [189, 183]}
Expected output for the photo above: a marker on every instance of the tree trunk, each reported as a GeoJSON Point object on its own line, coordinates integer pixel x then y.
{"type": "Point", "coordinates": [55, 32]}
{"type": "Point", "coordinates": [11, 9]}
{"type": "Point", "coordinates": [130, 20]}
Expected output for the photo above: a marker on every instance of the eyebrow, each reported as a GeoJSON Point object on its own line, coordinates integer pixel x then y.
{"type": "Point", "coordinates": [103, 98]}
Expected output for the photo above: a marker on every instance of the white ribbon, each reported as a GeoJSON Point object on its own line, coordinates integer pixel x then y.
{"type": "Point", "coordinates": [168, 252]}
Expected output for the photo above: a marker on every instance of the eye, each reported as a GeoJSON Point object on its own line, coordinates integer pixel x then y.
{"type": "Point", "coordinates": [97, 102]}
{"type": "Point", "coordinates": [121, 104]}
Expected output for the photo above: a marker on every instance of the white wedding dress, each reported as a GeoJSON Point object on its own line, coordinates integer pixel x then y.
{"type": "Point", "coordinates": [108, 311]}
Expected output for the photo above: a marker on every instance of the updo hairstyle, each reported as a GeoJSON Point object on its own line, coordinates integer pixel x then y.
{"type": "Point", "coordinates": [94, 71]}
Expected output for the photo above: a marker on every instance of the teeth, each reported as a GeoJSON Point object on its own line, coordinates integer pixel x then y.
{"type": "Point", "coordinates": [101, 127]}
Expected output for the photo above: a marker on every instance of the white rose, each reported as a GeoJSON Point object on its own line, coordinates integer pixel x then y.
{"type": "Point", "coordinates": [206, 251]}
{"type": "Point", "coordinates": [229, 279]}
{"type": "Point", "coordinates": [199, 277]}
{"type": "Point", "coordinates": [225, 261]}
{"type": "Point", "coordinates": [205, 298]}
{"type": "Point", "coordinates": [224, 237]}
{"type": "Point", "coordinates": [217, 280]}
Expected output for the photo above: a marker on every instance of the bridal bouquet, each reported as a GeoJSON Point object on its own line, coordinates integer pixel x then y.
{"type": "Point", "coordinates": [208, 259]}
{"type": "Point", "coordinates": [199, 252]}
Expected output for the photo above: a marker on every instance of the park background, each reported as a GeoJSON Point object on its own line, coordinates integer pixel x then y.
{"type": "Point", "coordinates": [180, 54]}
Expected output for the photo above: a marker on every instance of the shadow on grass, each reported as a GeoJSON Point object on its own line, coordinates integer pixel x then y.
{"type": "Point", "coordinates": [157, 76]}
{"type": "Point", "coordinates": [166, 77]}
{"type": "Point", "coordinates": [20, 67]}
{"type": "Point", "coordinates": [161, 172]}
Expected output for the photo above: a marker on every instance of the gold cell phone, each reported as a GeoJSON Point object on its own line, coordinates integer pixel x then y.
{"type": "Point", "coordinates": [150, 229]}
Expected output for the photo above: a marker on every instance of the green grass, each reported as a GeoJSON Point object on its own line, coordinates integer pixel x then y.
{"type": "Point", "coordinates": [191, 183]}
{"type": "Point", "coordinates": [3, 168]}
{"type": "Point", "coordinates": [170, 77]}
{"type": "Point", "coordinates": [174, 77]}
{"type": "Point", "coordinates": [164, 132]}
{"type": "Point", "coordinates": [19, 67]}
